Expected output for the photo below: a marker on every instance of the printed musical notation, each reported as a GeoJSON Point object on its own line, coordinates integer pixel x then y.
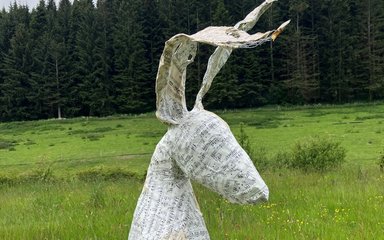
{"type": "Point", "coordinates": [198, 145]}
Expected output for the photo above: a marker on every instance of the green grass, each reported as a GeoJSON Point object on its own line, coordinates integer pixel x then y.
{"type": "Point", "coordinates": [68, 210]}
{"type": "Point", "coordinates": [338, 205]}
{"type": "Point", "coordinates": [68, 145]}
{"type": "Point", "coordinates": [80, 178]}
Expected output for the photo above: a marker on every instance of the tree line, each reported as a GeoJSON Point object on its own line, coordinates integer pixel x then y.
{"type": "Point", "coordinates": [81, 59]}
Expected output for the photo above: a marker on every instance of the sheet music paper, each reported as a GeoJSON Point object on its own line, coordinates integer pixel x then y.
{"type": "Point", "coordinates": [198, 145]}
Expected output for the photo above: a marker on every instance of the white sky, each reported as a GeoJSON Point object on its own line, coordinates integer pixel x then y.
{"type": "Point", "coordinates": [31, 3]}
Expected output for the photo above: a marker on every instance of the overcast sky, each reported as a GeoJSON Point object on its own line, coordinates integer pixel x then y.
{"type": "Point", "coordinates": [31, 3]}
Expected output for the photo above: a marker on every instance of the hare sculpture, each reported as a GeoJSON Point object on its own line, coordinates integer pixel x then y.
{"type": "Point", "coordinates": [198, 145]}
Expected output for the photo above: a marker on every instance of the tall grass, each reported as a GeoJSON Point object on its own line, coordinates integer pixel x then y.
{"type": "Point", "coordinates": [80, 178]}
{"type": "Point", "coordinates": [333, 205]}
{"type": "Point", "coordinates": [338, 205]}
{"type": "Point", "coordinates": [67, 210]}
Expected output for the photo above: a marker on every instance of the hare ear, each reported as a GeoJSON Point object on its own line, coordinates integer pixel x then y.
{"type": "Point", "coordinates": [179, 51]}
{"type": "Point", "coordinates": [222, 53]}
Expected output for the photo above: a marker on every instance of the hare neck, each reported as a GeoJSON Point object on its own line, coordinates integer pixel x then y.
{"type": "Point", "coordinates": [167, 207]}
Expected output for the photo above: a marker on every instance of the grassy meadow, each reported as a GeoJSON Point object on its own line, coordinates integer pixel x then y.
{"type": "Point", "coordinates": [80, 178]}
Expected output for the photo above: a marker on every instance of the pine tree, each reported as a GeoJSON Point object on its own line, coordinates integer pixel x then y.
{"type": "Point", "coordinates": [103, 66]}
{"type": "Point", "coordinates": [152, 26]}
{"type": "Point", "coordinates": [3, 40]}
{"type": "Point", "coordinates": [83, 81]}
{"type": "Point", "coordinates": [63, 56]}
{"type": "Point", "coordinates": [14, 62]}
{"type": "Point", "coordinates": [300, 77]}
{"type": "Point", "coordinates": [200, 16]}
{"type": "Point", "coordinates": [45, 54]}
{"type": "Point", "coordinates": [16, 100]}
{"type": "Point", "coordinates": [372, 47]}
{"type": "Point", "coordinates": [133, 80]}
{"type": "Point", "coordinates": [85, 60]}
{"type": "Point", "coordinates": [225, 91]}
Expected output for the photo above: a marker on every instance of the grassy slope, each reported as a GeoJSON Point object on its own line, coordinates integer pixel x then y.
{"type": "Point", "coordinates": [359, 128]}
{"type": "Point", "coordinates": [334, 205]}
{"type": "Point", "coordinates": [80, 143]}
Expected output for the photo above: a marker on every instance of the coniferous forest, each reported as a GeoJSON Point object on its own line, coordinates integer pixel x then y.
{"type": "Point", "coordinates": [78, 59]}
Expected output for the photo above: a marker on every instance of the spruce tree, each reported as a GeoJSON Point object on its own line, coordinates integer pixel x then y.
{"type": "Point", "coordinates": [372, 46]}
{"type": "Point", "coordinates": [83, 81]}
{"type": "Point", "coordinates": [133, 80]}
{"type": "Point", "coordinates": [16, 95]}
{"type": "Point", "coordinates": [225, 90]}
{"type": "Point", "coordinates": [103, 88]}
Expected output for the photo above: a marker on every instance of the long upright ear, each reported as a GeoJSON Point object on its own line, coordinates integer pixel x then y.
{"type": "Point", "coordinates": [179, 51]}
{"type": "Point", "coordinates": [221, 54]}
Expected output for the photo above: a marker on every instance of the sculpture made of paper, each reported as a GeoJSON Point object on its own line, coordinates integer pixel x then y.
{"type": "Point", "coordinates": [198, 145]}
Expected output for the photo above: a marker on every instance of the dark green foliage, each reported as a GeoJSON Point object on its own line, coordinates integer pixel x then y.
{"type": "Point", "coordinates": [107, 174]}
{"type": "Point", "coordinates": [95, 174]}
{"type": "Point", "coordinates": [281, 160]}
{"type": "Point", "coordinates": [151, 134]}
{"type": "Point", "coordinates": [314, 154]}
{"type": "Point", "coordinates": [259, 155]}
{"type": "Point", "coordinates": [243, 140]}
{"type": "Point", "coordinates": [93, 136]}
{"type": "Point", "coordinates": [7, 144]}
{"type": "Point", "coordinates": [36, 175]}
{"type": "Point", "coordinates": [5, 180]}
{"type": "Point", "coordinates": [380, 162]}
{"type": "Point", "coordinates": [373, 116]}
{"type": "Point", "coordinates": [90, 131]}
{"type": "Point", "coordinates": [133, 79]}
{"type": "Point", "coordinates": [84, 59]}
{"type": "Point", "coordinates": [260, 158]}
{"type": "Point", "coordinates": [16, 95]}
{"type": "Point", "coordinates": [319, 154]}
{"type": "Point", "coordinates": [97, 199]}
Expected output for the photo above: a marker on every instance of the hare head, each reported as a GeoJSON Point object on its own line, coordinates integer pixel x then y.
{"type": "Point", "coordinates": [198, 145]}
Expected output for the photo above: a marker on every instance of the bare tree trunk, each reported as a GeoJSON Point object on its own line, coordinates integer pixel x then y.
{"type": "Point", "coordinates": [58, 89]}
{"type": "Point", "coordinates": [369, 37]}
{"type": "Point", "coordinates": [340, 60]}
